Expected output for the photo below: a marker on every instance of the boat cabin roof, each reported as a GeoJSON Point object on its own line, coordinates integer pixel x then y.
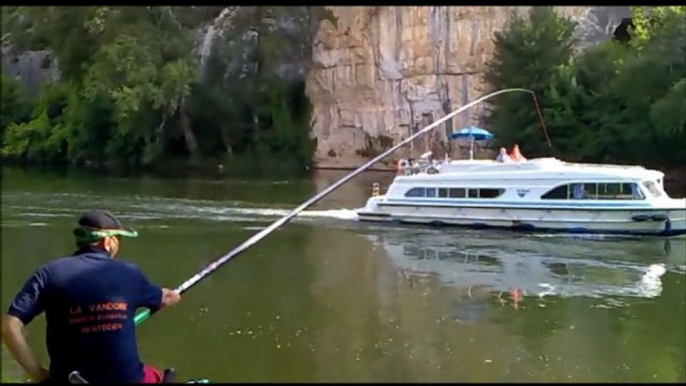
{"type": "Point", "coordinates": [539, 168]}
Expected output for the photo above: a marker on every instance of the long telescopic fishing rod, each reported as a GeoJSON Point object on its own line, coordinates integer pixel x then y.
{"type": "Point", "coordinates": [144, 315]}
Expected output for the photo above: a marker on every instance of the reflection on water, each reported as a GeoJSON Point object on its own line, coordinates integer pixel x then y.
{"type": "Point", "coordinates": [483, 267]}
{"type": "Point", "coordinates": [540, 266]}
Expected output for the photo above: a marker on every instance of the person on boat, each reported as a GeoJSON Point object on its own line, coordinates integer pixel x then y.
{"type": "Point", "coordinates": [503, 156]}
{"type": "Point", "coordinates": [516, 154]}
{"type": "Point", "coordinates": [89, 300]}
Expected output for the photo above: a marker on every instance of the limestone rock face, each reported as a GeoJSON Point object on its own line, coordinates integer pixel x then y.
{"type": "Point", "coordinates": [380, 74]}
{"type": "Point", "coordinates": [386, 72]}
{"type": "Point", "coordinates": [33, 68]}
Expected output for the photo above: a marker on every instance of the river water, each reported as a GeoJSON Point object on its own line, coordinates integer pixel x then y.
{"type": "Point", "coordinates": [327, 299]}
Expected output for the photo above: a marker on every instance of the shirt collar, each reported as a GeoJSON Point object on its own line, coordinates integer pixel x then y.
{"type": "Point", "coordinates": [92, 251]}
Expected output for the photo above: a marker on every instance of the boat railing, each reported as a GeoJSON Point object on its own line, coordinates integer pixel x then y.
{"type": "Point", "coordinates": [412, 167]}
{"type": "Point", "coordinates": [609, 166]}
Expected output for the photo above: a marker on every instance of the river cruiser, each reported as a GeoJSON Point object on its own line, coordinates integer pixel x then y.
{"type": "Point", "coordinates": [544, 194]}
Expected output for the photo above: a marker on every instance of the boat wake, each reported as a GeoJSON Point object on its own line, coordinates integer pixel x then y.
{"type": "Point", "coordinates": [245, 214]}
{"type": "Point", "coordinates": [17, 212]}
{"type": "Point", "coordinates": [339, 214]}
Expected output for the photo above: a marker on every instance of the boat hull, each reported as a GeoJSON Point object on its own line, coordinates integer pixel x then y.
{"type": "Point", "coordinates": [659, 222]}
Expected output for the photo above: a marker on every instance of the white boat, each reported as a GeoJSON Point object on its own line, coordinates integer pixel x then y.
{"type": "Point", "coordinates": [544, 194]}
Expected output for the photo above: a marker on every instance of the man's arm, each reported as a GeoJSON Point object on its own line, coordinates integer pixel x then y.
{"type": "Point", "coordinates": [154, 297]}
{"type": "Point", "coordinates": [28, 303]}
{"type": "Point", "coordinates": [13, 336]}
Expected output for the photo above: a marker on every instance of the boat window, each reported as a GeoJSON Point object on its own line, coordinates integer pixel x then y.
{"type": "Point", "coordinates": [619, 191]}
{"type": "Point", "coordinates": [630, 191]}
{"type": "Point", "coordinates": [593, 191]}
{"type": "Point", "coordinates": [577, 191]}
{"type": "Point", "coordinates": [590, 191]}
{"type": "Point", "coordinates": [559, 193]}
{"type": "Point", "coordinates": [416, 192]}
{"type": "Point", "coordinates": [490, 193]}
{"type": "Point", "coordinates": [457, 193]}
{"type": "Point", "coordinates": [652, 188]}
{"type": "Point", "coordinates": [609, 190]}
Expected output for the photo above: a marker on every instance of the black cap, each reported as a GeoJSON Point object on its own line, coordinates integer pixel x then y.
{"type": "Point", "coordinates": [96, 224]}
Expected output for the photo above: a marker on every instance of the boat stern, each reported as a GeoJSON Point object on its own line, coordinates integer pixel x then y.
{"type": "Point", "coordinates": [372, 211]}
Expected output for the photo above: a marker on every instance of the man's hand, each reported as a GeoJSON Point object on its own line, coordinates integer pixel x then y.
{"type": "Point", "coordinates": [170, 297]}
{"type": "Point", "coordinates": [13, 335]}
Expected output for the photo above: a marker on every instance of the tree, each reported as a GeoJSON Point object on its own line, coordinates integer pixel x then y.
{"type": "Point", "coordinates": [609, 104]}
{"type": "Point", "coordinates": [44, 136]}
{"type": "Point", "coordinates": [63, 30]}
{"type": "Point", "coordinates": [14, 107]}
{"type": "Point", "coordinates": [152, 69]}
{"type": "Point", "coordinates": [253, 83]}
{"type": "Point", "coordinates": [133, 92]}
{"type": "Point", "coordinates": [647, 20]}
{"type": "Point", "coordinates": [650, 84]}
{"type": "Point", "coordinates": [137, 58]}
{"type": "Point", "coordinates": [527, 54]}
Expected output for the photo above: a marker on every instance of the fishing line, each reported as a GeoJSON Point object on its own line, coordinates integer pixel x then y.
{"type": "Point", "coordinates": [540, 118]}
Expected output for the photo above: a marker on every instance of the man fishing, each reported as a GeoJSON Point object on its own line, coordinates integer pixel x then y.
{"type": "Point", "coordinates": [90, 300]}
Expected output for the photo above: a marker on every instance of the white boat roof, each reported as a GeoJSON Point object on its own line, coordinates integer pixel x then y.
{"type": "Point", "coordinates": [538, 168]}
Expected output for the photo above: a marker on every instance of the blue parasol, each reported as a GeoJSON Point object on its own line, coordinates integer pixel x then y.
{"type": "Point", "coordinates": [472, 132]}
{"type": "Point", "coordinates": [475, 133]}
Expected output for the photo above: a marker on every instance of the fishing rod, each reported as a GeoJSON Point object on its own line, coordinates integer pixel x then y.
{"type": "Point", "coordinates": [144, 315]}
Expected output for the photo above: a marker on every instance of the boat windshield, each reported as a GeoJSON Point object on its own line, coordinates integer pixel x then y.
{"type": "Point", "coordinates": [652, 188]}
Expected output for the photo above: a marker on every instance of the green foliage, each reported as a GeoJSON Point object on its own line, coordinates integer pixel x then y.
{"type": "Point", "coordinates": [14, 106]}
{"type": "Point", "coordinates": [44, 136]}
{"type": "Point", "coordinates": [669, 113]}
{"type": "Point", "coordinates": [528, 54]}
{"type": "Point", "coordinates": [245, 97]}
{"type": "Point", "coordinates": [648, 20]}
{"type": "Point", "coordinates": [131, 90]}
{"type": "Point", "coordinates": [611, 103]}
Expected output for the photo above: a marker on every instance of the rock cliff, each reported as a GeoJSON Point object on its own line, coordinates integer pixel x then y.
{"type": "Point", "coordinates": [385, 72]}
{"type": "Point", "coordinates": [381, 73]}
{"type": "Point", "coordinates": [34, 68]}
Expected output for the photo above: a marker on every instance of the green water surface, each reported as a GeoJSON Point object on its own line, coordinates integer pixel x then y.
{"type": "Point", "coordinates": [327, 299]}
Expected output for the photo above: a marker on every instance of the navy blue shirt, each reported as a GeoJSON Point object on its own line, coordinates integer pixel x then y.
{"type": "Point", "coordinates": [89, 301]}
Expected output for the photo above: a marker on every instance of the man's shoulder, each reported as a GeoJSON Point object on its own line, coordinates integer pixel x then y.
{"type": "Point", "coordinates": [55, 264]}
{"type": "Point", "coordinates": [67, 261]}
{"type": "Point", "coordinates": [128, 267]}
{"type": "Point", "coordinates": [124, 264]}
{"type": "Point", "coordinates": [127, 264]}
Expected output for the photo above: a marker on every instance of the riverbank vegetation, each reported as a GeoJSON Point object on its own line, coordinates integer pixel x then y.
{"type": "Point", "coordinates": [141, 86]}
{"type": "Point", "coordinates": [621, 101]}
{"type": "Point", "coordinates": [159, 86]}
